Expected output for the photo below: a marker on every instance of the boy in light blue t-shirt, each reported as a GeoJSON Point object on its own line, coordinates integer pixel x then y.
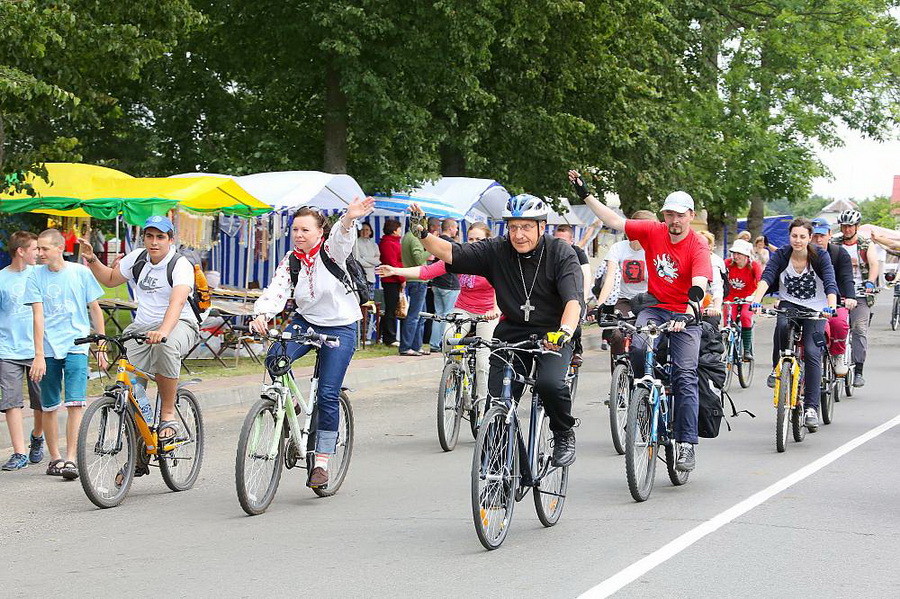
{"type": "Point", "coordinates": [17, 350]}
{"type": "Point", "coordinates": [66, 294]}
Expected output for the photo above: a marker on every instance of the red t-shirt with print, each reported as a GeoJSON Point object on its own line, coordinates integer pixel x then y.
{"type": "Point", "coordinates": [671, 265]}
{"type": "Point", "coordinates": [743, 280]}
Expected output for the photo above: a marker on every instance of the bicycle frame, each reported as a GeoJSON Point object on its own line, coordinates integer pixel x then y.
{"type": "Point", "coordinates": [794, 357]}
{"type": "Point", "coordinates": [285, 387]}
{"type": "Point", "coordinates": [654, 385]}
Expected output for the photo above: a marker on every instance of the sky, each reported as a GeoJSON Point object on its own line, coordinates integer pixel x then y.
{"type": "Point", "coordinates": [861, 169]}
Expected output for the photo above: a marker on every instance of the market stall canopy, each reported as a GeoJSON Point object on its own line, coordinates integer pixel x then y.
{"type": "Point", "coordinates": [293, 189]}
{"type": "Point", "coordinates": [99, 192]}
{"type": "Point", "coordinates": [398, 204]}
{"type": "Point", "coordinates": [568, 216]}
{"type": "Point", "coordinates": [478, 199]}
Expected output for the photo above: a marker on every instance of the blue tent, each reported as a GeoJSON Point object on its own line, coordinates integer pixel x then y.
{"type": "Point", "coordinates": [775, 228]}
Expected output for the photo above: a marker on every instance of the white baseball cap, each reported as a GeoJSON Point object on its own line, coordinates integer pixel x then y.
{"type": "Point", "coordinates": [678, 201]}
{"type": "Point", "coordinates": [741, 246]}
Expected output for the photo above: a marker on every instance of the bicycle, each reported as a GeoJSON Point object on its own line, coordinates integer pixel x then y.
{"type": "Point", "coordinates": [895, 311]}
{"type": "Point", "coordinates": [503, 467]}
{"type": "Point", "coordinates": [861, 296]}
{"type": "Point", "coordinates": [458, 393]}
{"type": "Point", "coordinates": [734, 356]}
{"type": "Point", "coordinates": [620, 386]}
{"type": "Point", "coordinates": [266, 443]}
{"type": "Point", "coordinates": [108, 454]}
{"type": "Point", "coordinates": [650, 420]}
{"type": "Point", "coordinates": [789, 379]}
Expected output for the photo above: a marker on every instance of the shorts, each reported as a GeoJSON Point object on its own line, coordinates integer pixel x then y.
{"type": "Point", "coordinates": [13, 374]}
{"type": "Point", "coordinates": [73, 370]}
{"type": "Point", "coordinates": [163, 359]}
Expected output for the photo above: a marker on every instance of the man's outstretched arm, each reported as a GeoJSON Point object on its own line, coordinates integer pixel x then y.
{"type": "Point", "coordinates": [610, 218]}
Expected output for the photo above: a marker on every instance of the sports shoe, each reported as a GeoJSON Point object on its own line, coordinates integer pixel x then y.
{"type": "Point", "coordinates": [840, 366]}
{"type": "Point", "coordinates": [17, 461]}
{"type": "Point", "coordinates": [318, 478]}
{"type": "Point", "coordinates": [812, 420]}
{"type": "Point", "coordinates": [771, 381]}
{"type": "Point", "coordinates": [858, 380]}
{"type": "Point", "coordinates": [686, 461]}
{"type": "Point", "coordinates": [36, 453]}
{"type": "Point", "coordinates": [748, 355]}
{"type": "Point", "coordinates": [604, 346]}
{"type": "Point", "coordinates": [395, 344]}
{"type": "Point", "coordinates": [563, 449]}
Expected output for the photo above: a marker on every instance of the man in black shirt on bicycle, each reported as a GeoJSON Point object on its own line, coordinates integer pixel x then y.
{"type": "Point", "coordinates": [540, 291]}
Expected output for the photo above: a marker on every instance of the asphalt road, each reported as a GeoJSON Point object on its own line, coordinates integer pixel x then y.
{"type": "Point", "coordinates": [402, 526]}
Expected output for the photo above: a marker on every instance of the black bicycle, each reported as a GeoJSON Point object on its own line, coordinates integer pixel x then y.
{"type": "Point", "coordinates": [621, 383]}
{"type": "Point", "coordinates": [458, 393]}
{"type": "Point", "coordinates": [504, 467]}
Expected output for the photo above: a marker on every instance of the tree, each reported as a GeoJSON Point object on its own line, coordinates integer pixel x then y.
{"type": "Point", "coordinates": [59, 66]}
{"type": "Point", "coordinates": [877, 211]}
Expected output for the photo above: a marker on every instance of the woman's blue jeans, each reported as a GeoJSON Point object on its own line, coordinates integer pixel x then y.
{"type": "Point", "coordinates": [333, 363]}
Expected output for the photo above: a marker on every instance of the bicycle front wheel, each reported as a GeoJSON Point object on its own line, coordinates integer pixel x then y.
{"type": "Point", "coordinates": [829, 388]}
{"type": "Point", "coordinates": [256, 473]}
{"type": "Point", "coordinates": [494, 479]}
{"type": "Point", "coordinates": [731, 362]}
{"type": "Point", "coordinates": [745, 369]}
{"type": "Point", "coordinates": [550, 491]}
{"type": "Point", "coordinates": [449, 406]}
{"type": "Point", "coordinates": [640, 447]}
{"type": "Point", "coordinates": [339, 462]}
{"type": "Point", "coordinates": [895, 314]}
{"type": "Point", "coordinates": [783, 407]}
{"type": "Point", "coordinates": [619, 390]}
{"type": "Point", "coordinates": [107, 453]}
{"type": "Point", "coordinates": [180, 467]}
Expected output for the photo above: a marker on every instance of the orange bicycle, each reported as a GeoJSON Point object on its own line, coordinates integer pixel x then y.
{"type": "Point", "coordinates": [109, 456]}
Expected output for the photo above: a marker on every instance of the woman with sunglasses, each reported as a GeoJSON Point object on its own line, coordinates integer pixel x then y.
{"type": "Point", "coordinates": [322, 304]}
{"type": "Point", "coordinates": [476, 298]}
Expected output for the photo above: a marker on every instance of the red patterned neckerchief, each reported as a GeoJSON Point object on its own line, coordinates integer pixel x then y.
{"type": "Point", "coordinates": [308, 257]}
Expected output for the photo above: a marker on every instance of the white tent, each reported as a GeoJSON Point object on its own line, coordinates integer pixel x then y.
{"type": "Point", "coordinates": [478, 199]}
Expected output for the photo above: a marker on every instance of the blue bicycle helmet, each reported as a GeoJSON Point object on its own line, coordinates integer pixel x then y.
{"type": "Point", "coordinates": [526, 206]}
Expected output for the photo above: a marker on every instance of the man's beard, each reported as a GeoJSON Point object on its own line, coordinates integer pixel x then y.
{"type": "Point", "coordinates": [672, 230]}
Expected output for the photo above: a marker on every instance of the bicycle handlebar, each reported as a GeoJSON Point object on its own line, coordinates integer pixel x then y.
{"type": "Point", "coordinates": [454, 317]}
{"type": "Point", "coordinates": [288, 335]}
{"type": "Point", "coordinates": [529, 345]}
{"type": "Point", "coordinates": [806, 314]}
{"type": "Point", "coordinates": [118, 341]}
{"type": "Point", "coordinates": [653, 328]}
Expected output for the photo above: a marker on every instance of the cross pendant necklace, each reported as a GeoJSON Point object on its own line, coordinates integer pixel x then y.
{"type": "Point", "coordinates": [527, 307]}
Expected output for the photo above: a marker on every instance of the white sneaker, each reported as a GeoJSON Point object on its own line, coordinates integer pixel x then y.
{"type": "Point", "coordinates": [840, 366]}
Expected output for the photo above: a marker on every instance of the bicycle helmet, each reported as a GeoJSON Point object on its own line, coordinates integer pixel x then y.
{"type": "Point", "coordinates": [849, 217]}
{"type": "Point", "coordinates": [526, 206]}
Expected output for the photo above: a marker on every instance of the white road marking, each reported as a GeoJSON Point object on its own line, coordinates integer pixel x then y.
{"type": "Point", "coordinates": [642, 566]}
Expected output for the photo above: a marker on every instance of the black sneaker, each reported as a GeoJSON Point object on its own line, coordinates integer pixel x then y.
{"type": "Point", "coordinates": [563, 449]}
{"type": "Point", "coordinates": [36, 451]}
{"type": "Point", "coordinates": [771, 381]}
{"type": "Point", "coordinates": [858, 380]}
{"type": "Point", "coordinates": [686, 461]}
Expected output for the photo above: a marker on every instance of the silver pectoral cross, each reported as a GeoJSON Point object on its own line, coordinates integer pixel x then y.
{"type": "Point", "coordinates": [527, 308]}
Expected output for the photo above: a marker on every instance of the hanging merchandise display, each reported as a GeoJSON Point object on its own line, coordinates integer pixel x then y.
{"type": "Point", "coordinates": [196, 230]}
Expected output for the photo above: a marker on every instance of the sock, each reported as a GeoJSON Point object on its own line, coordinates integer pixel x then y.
{"type": "Point", "coordinates": [859, 368]}
{"type": "Point", "coordinates": [747, 337]}
{"type": "Point", "coordinates": [322, 461]}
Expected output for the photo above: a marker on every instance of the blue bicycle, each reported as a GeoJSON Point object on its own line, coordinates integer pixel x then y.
{"type": "Point", "coordinates": [503, 467]}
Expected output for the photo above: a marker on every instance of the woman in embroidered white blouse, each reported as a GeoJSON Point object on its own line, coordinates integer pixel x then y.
{"type": "Point", "coordinates": [322, 303]}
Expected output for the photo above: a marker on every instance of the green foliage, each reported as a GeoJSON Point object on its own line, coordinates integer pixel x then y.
{"type": "Point", "coordinates": [877, 211]}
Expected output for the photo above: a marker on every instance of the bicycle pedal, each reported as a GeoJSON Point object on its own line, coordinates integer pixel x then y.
{"type": "Point", "coordinates": [606, 402]}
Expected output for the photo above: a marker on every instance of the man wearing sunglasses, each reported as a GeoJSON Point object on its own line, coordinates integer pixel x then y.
{"type": "Point", "coordinates": [539, 288]}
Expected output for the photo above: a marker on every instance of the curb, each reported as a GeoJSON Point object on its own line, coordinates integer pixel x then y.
{"type": "Point", "coordinates": [230, 392]}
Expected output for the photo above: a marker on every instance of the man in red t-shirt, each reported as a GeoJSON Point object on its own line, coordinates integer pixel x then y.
{"type": "Point", "coordinates": [677, 259]}
{"type": "Point", "coordinates": [743, 276]}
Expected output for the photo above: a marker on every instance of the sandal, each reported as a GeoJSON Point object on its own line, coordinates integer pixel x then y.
{"type": "Point", "coordinates": [69, 470]}
{"type": "Point", "coordinates": [54, 468]}
{"type": "Point", "coordinates": [172, 425]}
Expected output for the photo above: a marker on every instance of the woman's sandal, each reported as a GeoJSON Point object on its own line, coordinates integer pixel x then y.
{"type": "Point", "coordinates": [54, 468]}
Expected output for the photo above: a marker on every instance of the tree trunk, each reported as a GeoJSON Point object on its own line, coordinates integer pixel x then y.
{"type": "Point", "coordinates": [453, 162]}
{"type": "Point", "coordinates": [755, 216]}
{"type": "Point", "coordinates": [335, 115]}
{"type": "Point", "coordinates": [716, 224]}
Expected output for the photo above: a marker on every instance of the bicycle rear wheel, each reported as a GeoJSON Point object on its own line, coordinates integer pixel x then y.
{"type": "Point", "coordinates": [829, 388]}
{"type": "Point", "coordinates": [619, 390]}
{"type": "Point", "coordinates": [449, 406]}
{"type": "Point", "coordinates": [550, 491]}
{"type": "Point", "coordinates": [180, 467]}
{"type": "Point", "coordinates": [107, 453]}
{"type": "Point", "coordinates": [851, 372]}
{"type": "Point", "coordinates": [783, 407]}
{"type": "Point", "coordinates": [339, 463]}
{"type": "Point", "coordinates": [640, 449]}
{"type": "Point", "coordinates": [494, 478]}
{"type": "Point", "coordinates": [797, 422]}
{"type": "Point", "coordinates": [677, 477]}
{"type": "Point", "coordinates": [257, 474]}
{"type": "Point", "coordinates": [895, 314]}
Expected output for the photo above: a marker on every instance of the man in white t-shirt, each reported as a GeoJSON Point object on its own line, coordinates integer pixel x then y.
{"type": "Point", "coordinates": [626, 276]}
{"type": "Point", "coordinates": [161, 290]}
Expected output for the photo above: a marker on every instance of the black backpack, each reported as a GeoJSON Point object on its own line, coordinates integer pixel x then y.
{"type": "Point", "coordinates": [198, 300]}
{"type": "Point", "coordinates": [354, 278]}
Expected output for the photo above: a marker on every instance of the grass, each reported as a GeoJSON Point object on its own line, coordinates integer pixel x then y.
{"type": "Point", "coordinates": [211, 369]}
